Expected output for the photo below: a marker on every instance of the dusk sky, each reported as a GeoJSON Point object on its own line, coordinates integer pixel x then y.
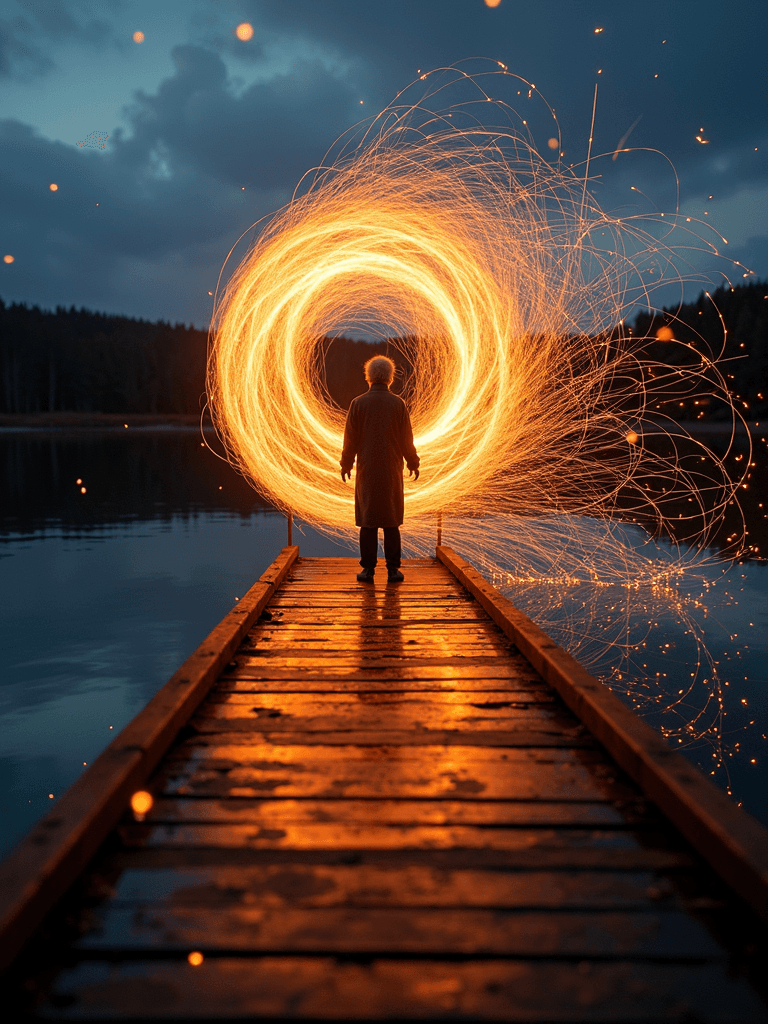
{"type": "Point", "coordinates": [206, 133]}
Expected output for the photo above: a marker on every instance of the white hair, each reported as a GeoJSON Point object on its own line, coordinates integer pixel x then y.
{"type": "Point", "coordinates": [380, 370]}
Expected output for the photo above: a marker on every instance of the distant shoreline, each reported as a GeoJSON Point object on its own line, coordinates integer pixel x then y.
{"type": "Point", "coordinates": [97, 421]}
{"type": "Point", "coordinates": [100, 421]}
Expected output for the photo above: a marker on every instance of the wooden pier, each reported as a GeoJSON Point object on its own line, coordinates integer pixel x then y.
{"type": "Point", "coordinates": [387, 802]}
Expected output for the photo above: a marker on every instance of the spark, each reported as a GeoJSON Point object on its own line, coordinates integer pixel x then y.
{"type": "Point", "coordinates": [472, 255]}
{"type": "Point", "coordinates": [625, 136]}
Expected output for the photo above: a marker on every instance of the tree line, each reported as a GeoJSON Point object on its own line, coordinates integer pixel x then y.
{"type": "Point", "coordinates": [74, 360]}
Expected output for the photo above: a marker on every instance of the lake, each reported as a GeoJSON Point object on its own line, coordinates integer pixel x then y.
{"type": "Point", "coordinates": [106, 591]}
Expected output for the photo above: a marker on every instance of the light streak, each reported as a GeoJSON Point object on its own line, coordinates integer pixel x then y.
{"type": "Point", "coordinates": [504, 287]}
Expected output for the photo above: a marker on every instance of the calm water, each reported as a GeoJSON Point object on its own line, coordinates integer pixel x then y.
{"type": "Point", "coordinates": [105, 593]}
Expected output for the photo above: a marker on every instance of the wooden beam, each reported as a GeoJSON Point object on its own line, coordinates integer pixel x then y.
{"type": "Point", "coordinates": [46, 862]}
{"type": "Point", "coordinates": [732, 842]}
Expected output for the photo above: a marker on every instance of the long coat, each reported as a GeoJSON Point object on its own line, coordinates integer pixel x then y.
{"type": "Point", "coordinates": [378, 433]}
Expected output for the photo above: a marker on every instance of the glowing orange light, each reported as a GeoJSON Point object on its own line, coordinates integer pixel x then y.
{"type": "Point", "coordinates": [492, 3]}
{"type": "Point", "coordinates": [8, 259]}
{"type": "Point", "coordinates": [78, 481]}
{"type": "Point", "coordinates": [53, 187]}
{"type": "Point", "coordinates": [141, 804]}
{"type": "Point", "coordinates": [138, 37]}
{"type": "Point", "coordinates": [195, 958]}
{"type": "Point", "coordinates": [244, 31]}
{"type": "Point", "coordinates": [553, 143]}
{"type": "Point", "coordinates": [502, 284]}
{"type": "Point", "coordinates": [598, 31]}
{"type": "Point", "coordinates": [83, 490]}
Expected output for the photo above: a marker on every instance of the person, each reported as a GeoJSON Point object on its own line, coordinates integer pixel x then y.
{"type": "Point", "coordinates": [378, 434]}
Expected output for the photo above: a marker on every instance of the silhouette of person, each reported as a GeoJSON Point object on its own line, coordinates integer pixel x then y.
{"type": "Point", "coordinates": [378, 434]}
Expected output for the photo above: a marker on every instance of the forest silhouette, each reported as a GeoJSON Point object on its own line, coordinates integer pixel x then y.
{"type": "Point", "coordinates": [78, 361]}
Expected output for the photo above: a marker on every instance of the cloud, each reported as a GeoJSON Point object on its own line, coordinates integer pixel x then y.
{"type": "Point", "coordinates": [169, 190]}
{"type": "Point", "coordinates": [26, 36]}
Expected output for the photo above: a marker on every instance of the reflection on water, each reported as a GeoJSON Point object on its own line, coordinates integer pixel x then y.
{"type": "Point", "coordinates": [104, 593]}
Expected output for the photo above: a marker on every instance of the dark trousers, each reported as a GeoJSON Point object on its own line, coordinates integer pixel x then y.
{"type": "Point", "coordinates": [369, 544]}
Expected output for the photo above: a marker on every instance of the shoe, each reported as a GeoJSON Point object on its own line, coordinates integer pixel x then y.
{"type": "Point", "coordinates": [394, 576]}
{"type": "Point", "coordinates": [366, 576]}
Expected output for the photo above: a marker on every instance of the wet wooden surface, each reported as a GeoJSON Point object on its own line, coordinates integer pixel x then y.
{"type": "Point", "coordinates": [382, 811]}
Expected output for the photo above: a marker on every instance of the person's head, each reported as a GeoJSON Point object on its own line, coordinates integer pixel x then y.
{"type": "Point", "coordinates": [380, 370]}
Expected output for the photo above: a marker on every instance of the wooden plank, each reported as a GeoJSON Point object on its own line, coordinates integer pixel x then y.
{"type": "Point", "coordinates": [729, 839]}
{"type": "Point", "coordinates": [538, 858]}
{"type": "Point", "coordinates": [498, 702]}
{"type": "Point", "coordinates": [273, 812]}
{"type": "Point", "coordinates": [332, 660]}
{"type": "Point", "coordinates": [213, 732]}
{"type": "Point", "coordinates": [519, 991]}
{"type": "Point", "coordinates": [351, 836]}
{"type": "Point", "coordinates": [43, 865]}
{"type": "Point", "coordinates": [654, 934]}
{"type": "Point", "coordinates": [522, 689]}
{"type": "Point", "coordinates": [459, 674]}
{"type": "Point", "coordinates": [256, 769]}
{"type": "Point", "coordinates": [274, 886]}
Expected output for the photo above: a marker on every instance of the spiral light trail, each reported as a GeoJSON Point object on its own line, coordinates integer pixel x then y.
{"type": "Point", "coordinates": [504, 286]}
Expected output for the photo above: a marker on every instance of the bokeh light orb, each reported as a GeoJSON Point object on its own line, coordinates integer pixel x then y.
{"type": "Point", "coordinates": [53, 187]}
{"type": "Point", "coordinates": [665, 334]}
{"type": "Point", "coordinates": [8, 258]}
{"type": "Point", "coordinates": [244, 31]}
{"type": "Point", "coordinates": [138, 37]}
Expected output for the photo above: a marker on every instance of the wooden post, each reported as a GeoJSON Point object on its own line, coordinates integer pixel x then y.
{"type": "Point", "coordinates": [439, 528]}
{"type": "Point", "coordinates": [290, 529]}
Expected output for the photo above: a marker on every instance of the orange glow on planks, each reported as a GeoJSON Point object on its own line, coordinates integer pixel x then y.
{"type": "Point", "coordinates": [244, 31]}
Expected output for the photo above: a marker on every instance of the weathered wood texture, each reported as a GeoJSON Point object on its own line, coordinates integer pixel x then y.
{"type": "Point", "coordinates": [382, 810]}
{"type": "Point", "coordinates": [734, 844]}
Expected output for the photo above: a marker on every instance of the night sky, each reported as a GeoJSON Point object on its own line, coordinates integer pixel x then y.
{"type": "Point", "coordinates": [207, 133]}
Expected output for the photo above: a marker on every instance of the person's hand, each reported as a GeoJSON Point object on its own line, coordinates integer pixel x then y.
{"type": "Point", "coordinates": [414, 473]}
{"type": "Point", "coordinates": [346, 473]}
